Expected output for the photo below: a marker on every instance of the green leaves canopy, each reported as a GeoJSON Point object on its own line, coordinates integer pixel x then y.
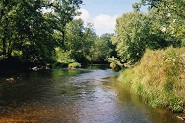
{"type": "Point", "coordinates": [170, 15]}
{"type": "Point", "coordinates": [131, 36]}
{"type": "Point", "coordinates": [161, 27]}
{"type": "Point", "coordinates": [26, 26]}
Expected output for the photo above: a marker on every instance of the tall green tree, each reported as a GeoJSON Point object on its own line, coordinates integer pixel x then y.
{"type": "Point", "coordinates": [103, 48]}
{"type": "Point", "coordinates": [5, 20]}
{"type": "Point", "coordinates": [132, 32]}
{"type": "Point", "coordinates": [64, 12]}
{"type": "Point", "coordinates": [74, 38]}
{"type": "Point", "coordinates": [101, 51]}
{"type": "Point", "coordinates": [171, 14]}
{"type": "Point", "coordinates": [111, 48]}
{"type": "Point", "coordinates": [79, 41]}
{"type": "Point", "coordinates": [35, 31]}
{"type": "Point", "coordinates": [25, 26]}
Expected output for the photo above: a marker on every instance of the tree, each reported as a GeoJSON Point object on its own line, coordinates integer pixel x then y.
{"type": "Point", "coordinates": [26, 27]}
{"type": "Point", "coordinates": [5, 20]}
{"type": "Point", "coordinates": [74, 38]}
{"type": "Point", "coordinates": [165, 28]}
{"type": "Point", "coordinates": [36, 32]}
{"type": "Point", "coordinates": [64, 11]}
{"type": "Point", "coordinates": [23, 27]}
{"type": "Point", "coordinates": [171, 14]}
{"type": "Point", "coordinates": [101, 51]}
{"type": "Point", "coordinates": [131, 36]}
{"type": "Point", "coordinates": [103, 48]}
{"type": "Point", "coordinates": [107, 38]}
{"type": "Point", "coordinates": [79, 41]}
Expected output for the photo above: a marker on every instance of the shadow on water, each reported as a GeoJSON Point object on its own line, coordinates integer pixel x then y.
{"type": "Point", "coordinates": [135, 109]}
{"type": "Point", "coordinates": [79, 96]}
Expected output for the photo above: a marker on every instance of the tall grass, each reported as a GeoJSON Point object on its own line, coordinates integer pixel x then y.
{"type": "Point", "coordinates": [159, 78]}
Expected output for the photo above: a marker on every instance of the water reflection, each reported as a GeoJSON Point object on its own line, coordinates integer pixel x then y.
{"type": "Point", "coordinates": [98, 66]}
{"type": "Point", "coordinates": [80, 96]}
{"type": "Point", "coordinates": [134, 107]}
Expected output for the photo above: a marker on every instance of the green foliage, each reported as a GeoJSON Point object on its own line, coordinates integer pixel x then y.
{"type": "Point", "coordinates": [131, 36]}
{"type": "Point", "coordinates": [28, 28]}
{"type": "Point", "coordinates": [109, 47]}
{"type": "Point", "coordinates": [115, 64]}
{"type": "Point", "coordinates": [33, 30]}
{"type": "Point", "coordinates": [159, 78]}
{"type": "Point", "coordinates": [78, 43]}
{"type": "Point", "coordinates": [64, 12]}
{"type": "Point", "coordinates": [79, 39]}
{"type": "Point", "coordinates": [63, 56]}
{"type": "Point", "coordinates": [170, 15]}
{"type": "Point", "coordinates": [83, 45]}
{"type": "Point", "coordinates": [160, 28]}
{"type": "Point", "coordinates": [103, 48]}
{"type": "Point", "coordinates": [16, 53]}
{"type": "Point", "coordinates": [60, 65]}
{"type": "Point", "coordinates": [74, 65]}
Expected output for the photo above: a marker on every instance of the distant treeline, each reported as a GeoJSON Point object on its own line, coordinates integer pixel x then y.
{"type": "Point", "coordinates": [41, 32]}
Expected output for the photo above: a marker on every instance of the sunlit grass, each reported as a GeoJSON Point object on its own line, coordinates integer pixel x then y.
{"type": "Point", "coordinates": [159, 78]}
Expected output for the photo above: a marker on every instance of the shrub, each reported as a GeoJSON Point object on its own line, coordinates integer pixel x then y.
{"type": "Point", "coordinates": [74, 65]}
{"type": "Point", "coordinates": [60, 65]}
{"type": "Point", "coordinates": [115, 64]}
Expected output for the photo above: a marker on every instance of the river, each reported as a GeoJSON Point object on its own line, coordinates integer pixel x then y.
{"type": "Point", "coordinates": [73, 96]}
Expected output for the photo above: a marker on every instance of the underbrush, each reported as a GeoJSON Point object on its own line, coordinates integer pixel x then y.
{"type": "Point", "coordinates": [74, 65]}
{"type": "Point", "coordinates": [159, 78]}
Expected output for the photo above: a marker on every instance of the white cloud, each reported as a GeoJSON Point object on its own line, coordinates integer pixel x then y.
{"type": "Point", "coordinates": [84, 15]}
{"type": "Point", "coordinates": [103, 23]}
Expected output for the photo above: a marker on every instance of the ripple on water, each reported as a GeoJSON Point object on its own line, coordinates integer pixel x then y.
{"type": "Point", "coordinates": [74, 96]}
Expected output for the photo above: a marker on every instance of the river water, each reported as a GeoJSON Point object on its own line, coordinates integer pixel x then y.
{"type": "Point", "coordinates": [73, 96]}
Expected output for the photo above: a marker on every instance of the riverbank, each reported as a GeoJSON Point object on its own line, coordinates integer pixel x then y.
{"type": "Point", "coordinates": [81, 95]}
{"type": "Point", "coordinates": [159, 78]}
{"type": "Point", "coordinates": [16, 64]}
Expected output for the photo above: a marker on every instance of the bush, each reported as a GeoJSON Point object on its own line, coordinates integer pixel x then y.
{"type": "Point", "coordinates": [74, 65]}
{"type": "Point", "coordinates": [160, 78]}
{"type": "Point", "coordinates": [115, 64]}
{"type": "Point", "coordinates": [60, 65]}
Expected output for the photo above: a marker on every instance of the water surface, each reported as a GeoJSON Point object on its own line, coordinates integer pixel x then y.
{"type": "Point", "coordinates": [74, 96]}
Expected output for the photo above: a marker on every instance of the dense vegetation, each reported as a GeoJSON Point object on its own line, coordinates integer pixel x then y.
{"type": "Point", "coordinates": [153, 45]}
{"type": "Point", "coordinates": [44, 31]}
{"type": "Point", "coordinates": [38, 32]}
{"type": "Point", "coordinates": [159, 78]}
{"type": "Point", "coordinates": [158, 29]}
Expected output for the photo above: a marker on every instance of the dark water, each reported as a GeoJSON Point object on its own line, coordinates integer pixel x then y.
{"type": "Point", "coordinates": [74, 96]}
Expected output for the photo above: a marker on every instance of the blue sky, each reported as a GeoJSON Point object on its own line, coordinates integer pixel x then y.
{"type": "Point", "coordinates": [103, 13]}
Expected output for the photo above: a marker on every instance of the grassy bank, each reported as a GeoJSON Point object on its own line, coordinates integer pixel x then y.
{"type": "Point", "coordinates": [159, 78]}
